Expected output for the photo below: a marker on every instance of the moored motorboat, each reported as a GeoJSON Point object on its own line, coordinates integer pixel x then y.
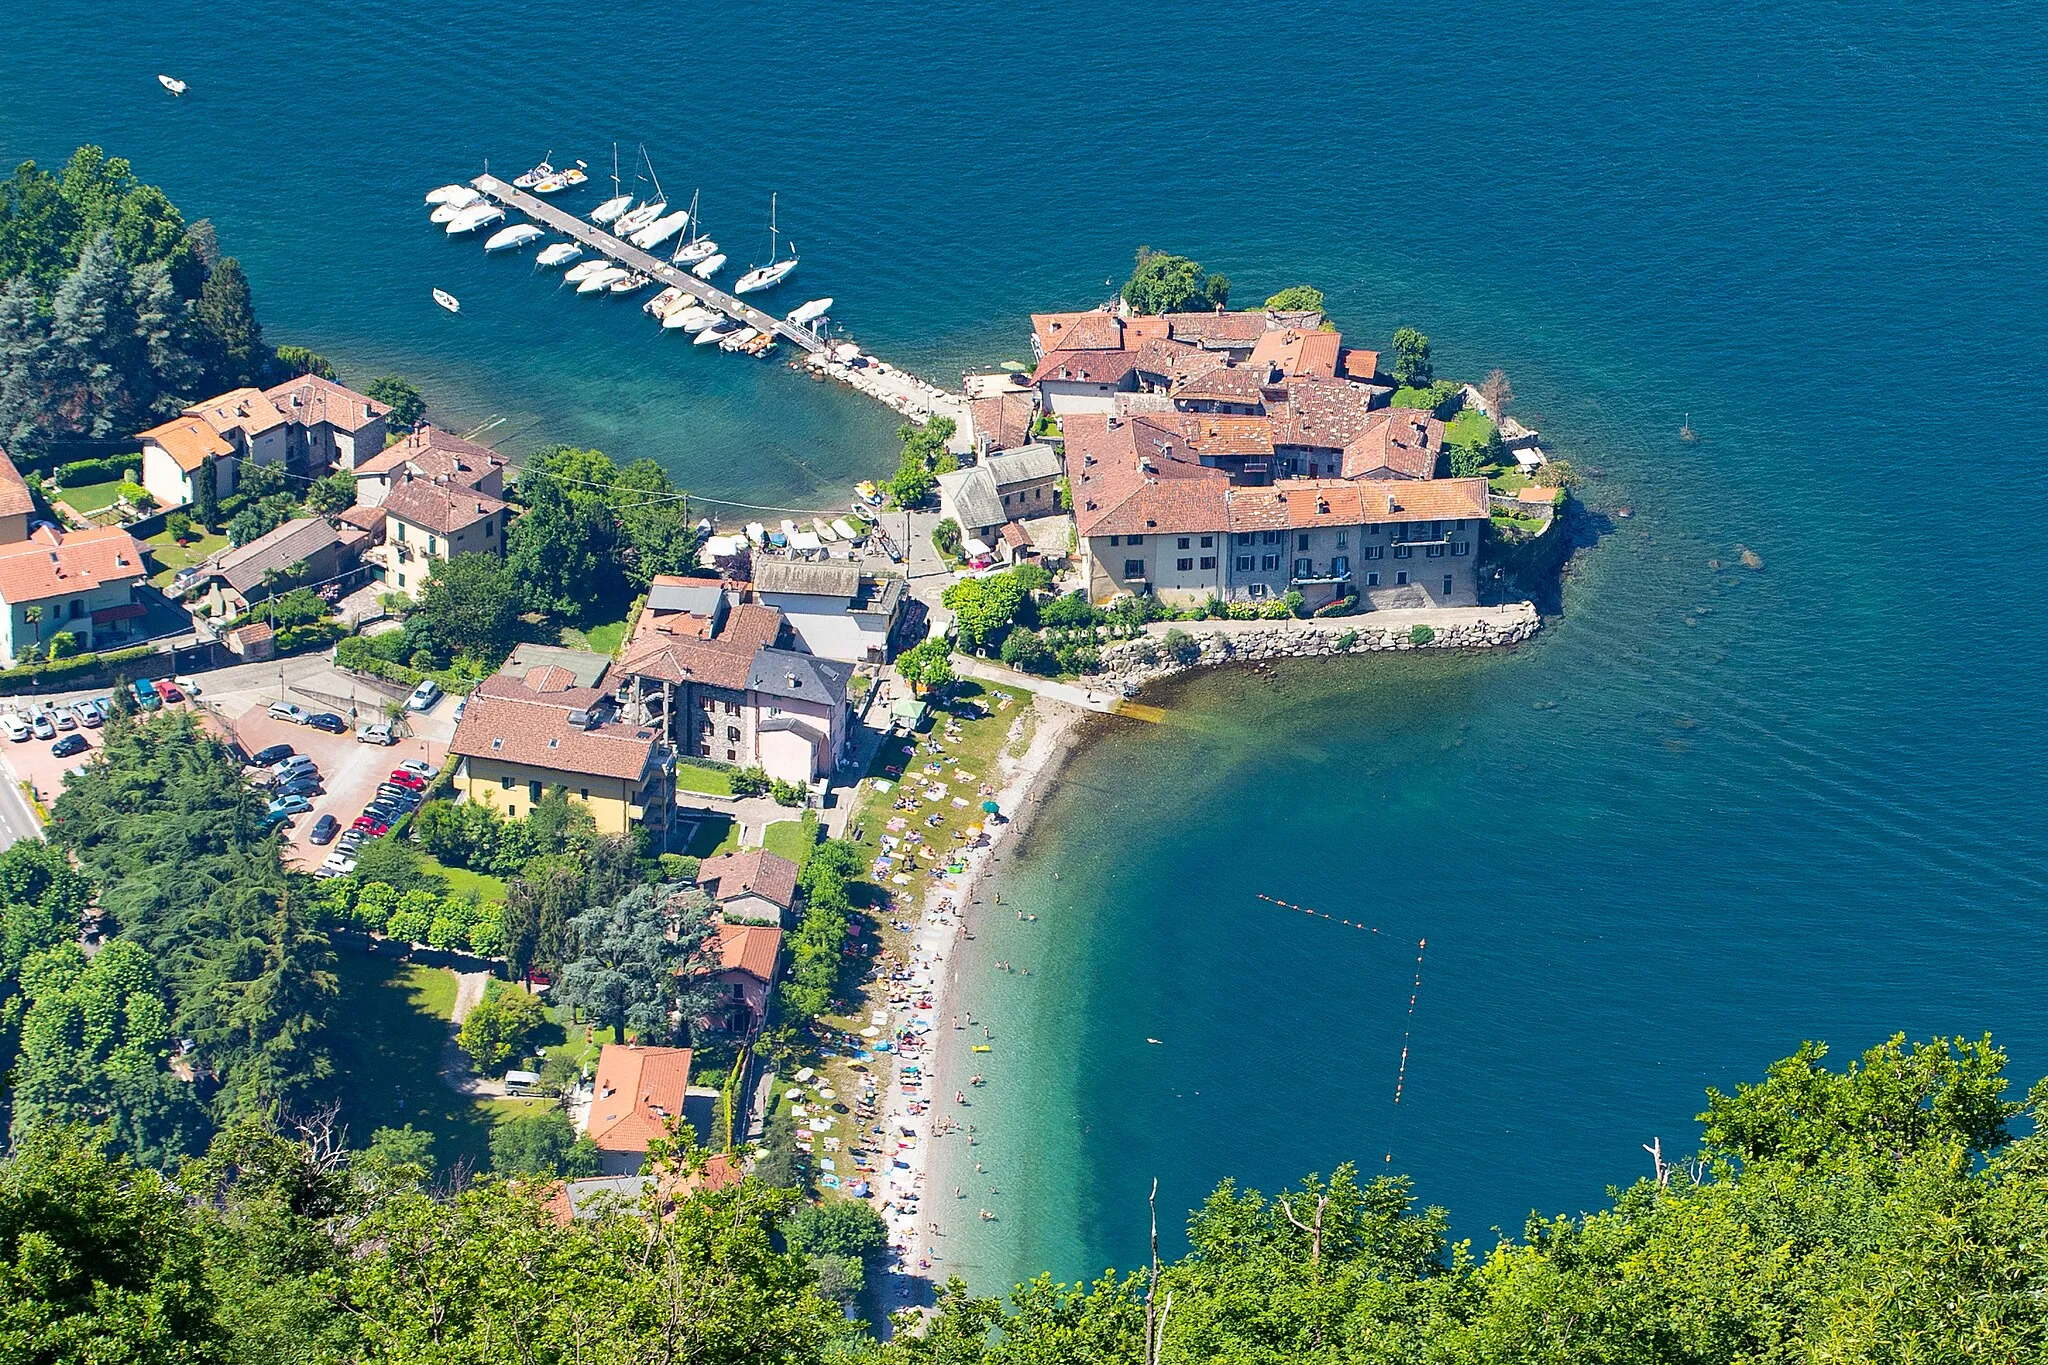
{"type": "Point", "coordinates": [660, 230]}
{"type": "Point", "coordinates": [824, 530]}
{"type": "Point", "coordinates": [474, 217]}
{"type": "Point", "coordinates": [757, 533]}
{"type": "Point", "coordinates": [447, 300]}
{"type": "Point", "coordinates": [511, 238]}
{"type": "Point", "coordinates": [561, 180]}
{"type": "Point", "coordinates": [577, 274]}
{"type": "Point", "coordinates": [561, 253]}
{"type": "Point", "coordinates": [631, 223]}
{"type": "Point", "coordinates": [717, 332]}
{"type": "Point", "coordinates": [668, 298]}
{"type": "Point", "coordinates": [462, 196]}
{"type": "Point", "coordinates": [634, 280]}
{"type": "Point", "coordinates": [760, 345]}
{"type": "Point", "coordinates": [869, 493]}
{"type": "Point", "coordinates": [172, 84]}
{"type": "Point", "coordinates": [693, 319]}
{"type": "Point", "coordinates": [734, 340]}
{"type": "Point", "coordinates": [443, 212]}
{"type": "Point", "coordinates": [708, 267]}
{"type": "Point", "coordinates": [543, 171]}
{"type": "Point", "coordinates": [805, 314]}
{"type": "Point", "coordinates": [602, 280]}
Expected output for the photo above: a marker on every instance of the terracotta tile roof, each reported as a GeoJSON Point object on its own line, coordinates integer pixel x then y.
{"type": "Point", "coordinates": [1159, 506]}
{"type": "Point", "coordinates": [439, 507]}
{"type": "Point", "coordinates": [719, 662]}
{"type": "Point", "coordinates": [188, 441]}
{"type": "Point", "coordinates": [1321, 414]}
{"type": "Point", "coordinates": [1107, 467]}
{"type": "Point", "coordinates": [1234, 331]}
{"type": "Point", "coordinates": [1087, 367]}
{"type": "Point", "coordinates": [1170, 362]}
{"type": "Point", "coordinates": [1006, 418]}
{"type": "Point", "coordinates": [365, 518]}
{"type": "Point", "coordinates": [1224, 383]}
{"type": "Point", "coordinates": [249, 411]}
{"type": "Point", "coordinates": [636, 1092]}
{"type": "Point", "coordinates": [1293, 351]}
{"type": "Point", "coordinates": [310, 400]}
{"type": "Point", "coordinates": [433, 453]}
{"type": "Point", "coordinates": [1401, 441]}
{"type": "Point", "coordinates": [14, 494]}
{"type": "Point", "coordinates": [510, 722]}
{"type": "Point", "coordinates": [49, 564]}
{"type": "Point", "coordinates": [1358, 364]}
{"type": "Point", "coordinates": [1094, 330]}
{"type": "Point", "coordinates": [753, 871]}
{"type": "Point", "coordinates": [1299, 504]}
{"type": "Point", "coordinates": [1015, 536]}
{"type": "Point", "coordinates": [749, 948]}
{"type": "Point", "coordinates": [254, 634]}
{"type": "Point", "coordinates": [1202, 433]}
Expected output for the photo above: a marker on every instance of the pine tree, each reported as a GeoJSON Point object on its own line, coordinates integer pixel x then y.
{"type": "Point", "coordinates": [163, 329]}
{"type": "Point", "coordinates": [24, 368]}
{"type": "Point", "coordinates": [96, 354]}
{"type": "Point", "coordinates": [231, 339]}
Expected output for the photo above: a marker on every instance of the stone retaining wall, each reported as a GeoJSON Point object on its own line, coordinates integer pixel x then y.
{"type": "Point", "coordinates": [1143, 660]}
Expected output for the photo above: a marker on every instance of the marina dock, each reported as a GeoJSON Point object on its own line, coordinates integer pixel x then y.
{"type": "Point", "coordinates": [626, 254]}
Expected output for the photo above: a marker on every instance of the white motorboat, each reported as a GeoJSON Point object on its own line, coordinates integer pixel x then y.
{"type": "Point", "coordinates": [447, 300]}
{"type": "Point", "coordinates": [603, 279]}
{"type": "Point", "coordinates": [474, 217]}
{"type": "Point", "coordinates": [561, 253]}
{"type": "Point", "coordinates": [634, 280]}
{"type": "Point", "coordinates": [824, 530]}
{"type": "Point", "coordinates": [534, 178]}
{"type": "Point", "coordinates": [691, 252]}
{"type": "Point", "coordinates": [562, 180]}
{"type": "Point", "coordinates": [773, 273]}
{"type": "Point", "coordinates": [734, 340]}
{"type": "Point", "coordinates": [693, 319]}
{"type": "Point", "coordinates": [708, 267]}
{"type": "Point", "coordinates": [630, 223]}
{"type": "Point", "coordinates": [577, 274]}
{"type": "Point", "coordinates": [716, 332]}
{"type": "Point", "coordinates": [805, 314]}
{"type": "Point", "coordinates": [660, 230]}
{"type": "Point", "coordinates": [462, 196]}
{"type": "Point", "coordinates": [172, 84]}
{"type": "Point", "coordinates": [511, 238]}
{"type": "Point", "coordinates": [443, 212]}
{"type": "Point", "coordinates": [668, 298]}
{"type": "Point", "coordinates": [848, 532]}
{"type": "Point", "coordinates": [610, 209]}
{"type": "Point", "coordinates": [757, 533]}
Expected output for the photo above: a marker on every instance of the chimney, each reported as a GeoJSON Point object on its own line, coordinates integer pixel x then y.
{"type": "Point", "coordinates": [1391, 508]}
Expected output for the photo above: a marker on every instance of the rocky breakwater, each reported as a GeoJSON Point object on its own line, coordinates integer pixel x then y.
{"type": "Point", "coordinates": [1162, 650]}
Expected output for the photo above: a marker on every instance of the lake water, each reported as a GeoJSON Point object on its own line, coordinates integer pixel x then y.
{"type": "Point", "coordinates": [1709, 813]}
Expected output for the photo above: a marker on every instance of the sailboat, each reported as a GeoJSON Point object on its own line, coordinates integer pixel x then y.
{"type": "Point", "coordinates": [631, 223]}
{"type": "Point", "coordinates": [618, 203]}
{"type": "Point", "coordinates": [447, 300]}
{"type": "Point", "coordinates": [773, 273]}
{"type": "Point", "coordinates": [172, 84]}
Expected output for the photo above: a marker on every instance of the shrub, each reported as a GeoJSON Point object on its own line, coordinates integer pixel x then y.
{"type": "Point", "coordinates": [678, 867]}
{"type": "Point", "coordinates": [1421, 635]}
{"type": "Point", "coordinates": [1243, 611]}
{"type": "Point", "coordinates": [318, 635]}
{"type": "Point", "coordinates": [1079, 659]}
{"type": "Point", "coordinates": [1032, 577]}
{"type": "Point", "coordinates": [946, 538]}
{"type": "Point", "coordinates": [80, 472]}
{"type": "Point", "coordinates": [1181, 647]}
{"type": "Point", "coordinates": [1557, 474]}
{"type": "Point", "coordinates": [788, 793]}
{"type": "Point", "coordinates": [750, 782]}
{"type": "Point", "coordinates": [1343, 606]}
{"type": "Point", "coordinates": [1346, 640]}
{"type": "Point", "coordinates": [1025, 650]}
{"type": "Point", "coordinates": [136, 494]}
{"type": "Point", "coordinates": [179, 524]}
{"type": "Point", "coordinates": [500, 1026]}
{"type": "Point", "coordinates": [63, 645]}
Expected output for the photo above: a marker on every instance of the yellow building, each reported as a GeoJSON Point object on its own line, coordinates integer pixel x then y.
{"type": "Point", "coordinates": [524, 733]}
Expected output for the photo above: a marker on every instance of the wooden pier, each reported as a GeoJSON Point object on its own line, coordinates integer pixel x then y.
{"type": "Point", "coordinates": [626, 254]}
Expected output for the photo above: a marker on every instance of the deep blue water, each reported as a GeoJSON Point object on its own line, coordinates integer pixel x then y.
{"type": "Point", "coordinates": [1709, 814]}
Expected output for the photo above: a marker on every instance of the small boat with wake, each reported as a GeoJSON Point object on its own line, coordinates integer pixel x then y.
{"type": "Point", "coordinates": [447, 300]}
{"type": "Point", "coordinates": [172, 84]}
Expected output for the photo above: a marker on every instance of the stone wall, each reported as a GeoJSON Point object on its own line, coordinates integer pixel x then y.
{"type": "Point", "coordinates": [1136, 662]}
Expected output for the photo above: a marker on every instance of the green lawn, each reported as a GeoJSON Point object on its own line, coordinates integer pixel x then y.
{"type": "Point", "coordinates": [393, 1028]}
{"type": "Point", "coordinates": [692, 777]}
{"type": "Point", "coordinates": [603, 638]}
{"type": "Point", "coordinates": [170, 556]}
{"type": "Point", "coordinates": [91, 497]}
{"type": "Point", "coordinates": [792, 839]}
{"type": "Point", "coordinates": [714, 834]}
{"type": "Point", "coordinates": [461, 881]}
{"type": "Point", "coordinates": [1470, 427]}
{"type": "Point", "coordinates": [1509, 480]}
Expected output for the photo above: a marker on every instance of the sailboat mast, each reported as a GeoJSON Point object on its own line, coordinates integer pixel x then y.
{"type": "Point", "coordinates": [771, 227]}
{"type": "Point", "coordinates": [615, 169]}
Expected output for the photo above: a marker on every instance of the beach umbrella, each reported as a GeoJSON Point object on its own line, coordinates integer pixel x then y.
{"type": "Point", "coordinates": [991, 807]}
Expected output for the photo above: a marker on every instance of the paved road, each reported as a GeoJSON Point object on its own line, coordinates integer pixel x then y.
{"type": "Point", "coordinates": [17, 819]}
{"type": "Point", "coordinates": [1100, 699]}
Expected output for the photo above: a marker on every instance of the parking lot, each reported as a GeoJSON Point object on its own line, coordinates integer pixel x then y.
{"type": "Point", "coordinates": [349, 769]}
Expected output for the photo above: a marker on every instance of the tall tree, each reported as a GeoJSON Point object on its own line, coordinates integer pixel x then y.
{"type": "Point", "coordinates": [93, 330]}
{"type": "Point", "coordinates": [471, 607]}
{"type": "Point", "coordinates": [26, 362]}
{"type": "Point", "coordinates": [1497, 392]}
{"type": "Point", "coordinates": [407, 407]}
{"type": "Point", "coordinates": [565, 548]}
{"type": "Point", "coordinates": [630, 953]}
{"type": "Point", "coordinates": [231, 341]}
{"type": "Point", "coordinates": [37, 227]}
{"type": "Point", "coordinates": [1164, 283]}
{"type": "Point", "coordinates": [1412, 367]}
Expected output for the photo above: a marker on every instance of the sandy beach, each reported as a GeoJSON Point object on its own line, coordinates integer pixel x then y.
{"type": "Point", "coordinates": [919, 1114]}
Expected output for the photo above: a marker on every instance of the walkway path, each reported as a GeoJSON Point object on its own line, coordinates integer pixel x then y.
{"type": "Point", "coordinates": [967, 666]}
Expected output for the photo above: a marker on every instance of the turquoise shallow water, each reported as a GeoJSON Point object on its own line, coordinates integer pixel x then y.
{"type": "Point", "coordinates": [1710, 813]}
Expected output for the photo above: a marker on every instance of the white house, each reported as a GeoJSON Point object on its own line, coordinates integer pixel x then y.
{"type": "Point", "coordinates": [834, 610]}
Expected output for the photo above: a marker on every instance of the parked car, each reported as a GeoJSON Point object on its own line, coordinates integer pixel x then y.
{"type": "Point", "coordinates": [371, 826]}
{"type": "Point", "coordinates": [17, 728]}
{"type": "Point", "coordinates": [461, 705]}
{"type": "Point", "coordinates": [325, 828]}
{"type": "Point", "coordinates": [168, 690]}
{"type": "Point", "coordinates": [293, 766]}
{"type": "Point", "coordinates": [191, 685]}
{"type": "Point", "coordinates": [284, 710]}
{"type": "Point", "coordinates": [384, 813]}
{"type": "Point", "coordinates": [145, 694]}
{"type": "Point", "coordinates": [378, 733]}
{"type": "Point", "coordinates": [405, 795]}
{"type": "Point", "coordinates": [276, 753]}
{"type": "Point", "coordinates": [69, 745]}
{"type": "Point", "coordinates": [328, 721]}
{"type": "Point", "coordinates": [42, 725]}
{"type": "Point", "coordinates": [408, 779]}
{"type": "Point", "coordinates": [303, 783]}
{"type": "Point", "coordinates": [88, 715]}
{"type": "Point", "coordinates": [424, 696]}
{"type": "Point", "coordinates": [350, 840]}
{"type": "Point", "coordinates": [290, 805]}
{"type": "Point", "coordinates": [337, 865]}
{"type": "Point", "coordinates": [415, 766]}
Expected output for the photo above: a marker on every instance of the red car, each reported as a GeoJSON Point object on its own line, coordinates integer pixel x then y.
{"type": "Point", "coordinates": [168, 690]}
{"type": "Point", "coordinates": [372, 826]}
{"type": "Point", "coordinates": [411, 781]}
